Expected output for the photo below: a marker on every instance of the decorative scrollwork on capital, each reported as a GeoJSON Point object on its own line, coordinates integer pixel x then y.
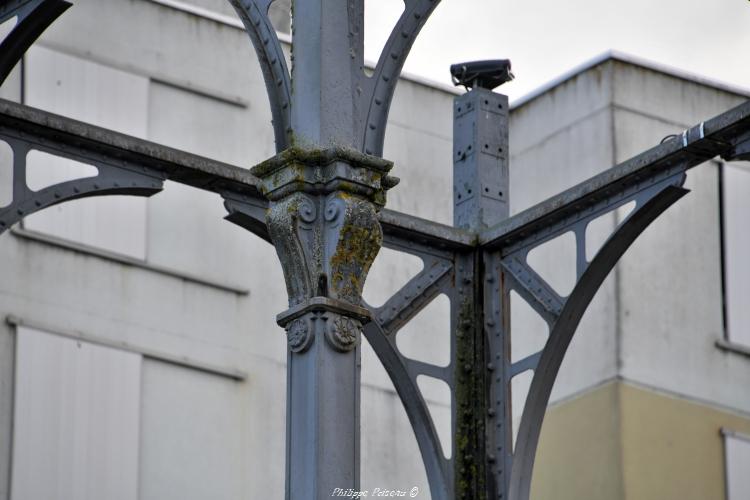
{"type": "Point", "coordinates": [291, 225]}
{"type": "Point", "coordinates": [323, 221]}
{"type": "Point", "coordinates": [353, 240]}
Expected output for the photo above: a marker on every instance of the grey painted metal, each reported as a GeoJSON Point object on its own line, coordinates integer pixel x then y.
{"type": "Point", "coordinates": [480, 159]}
{"type": "Point", "coordinates": [113, 177]}
{"type": "Point", "coordinates": [376, 100]}
{"type": "Point", "coordinates": [32, 18]}
{"type": "Point", "coordinates": [651, 202]}
{"type": "Point", "coordinates": [438, 245]}
{"type": "Point", "coordinates": [721, 135]}
{"type": "Point", "coordinates": [320, 203]}
{"type": "Point", "coordinates": [437, 277]}
{"type": "Point", "coordinates": [254, 15]}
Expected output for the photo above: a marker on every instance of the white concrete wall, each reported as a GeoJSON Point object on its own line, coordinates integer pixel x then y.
{"type": "Point", "coordinates": [656, 319]}
{"type": "Point", "coordinates": [671, 304]}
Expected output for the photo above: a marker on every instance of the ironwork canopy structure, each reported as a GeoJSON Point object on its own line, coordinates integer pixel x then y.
{"type": "Point", "coordinates": [320, 202]}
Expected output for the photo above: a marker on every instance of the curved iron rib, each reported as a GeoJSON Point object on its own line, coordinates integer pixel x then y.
{"type": "Point", "coordinates": [383, 81]}
{"type": "Point", "coordinates": [34, 17]}
{"type": "Point", "coordinates": [419, 415]}
{"type": "Point", "coordinates": [110, 180]}
{"type": "Point", "coordinates": [254, 15]}
{"type": "Point", "coordinates": [562, 332]}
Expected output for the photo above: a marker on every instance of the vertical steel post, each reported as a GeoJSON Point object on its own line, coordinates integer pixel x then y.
{"type": "Point", "coordinates": [480, 159]}
{"type": "Point", "coordinates": [480, 190]}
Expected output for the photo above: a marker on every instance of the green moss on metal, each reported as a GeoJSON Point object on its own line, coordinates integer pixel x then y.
{"type": "Point", "coordinates": [359, 242]}
{"type": "Point", "coordinates": [470, 405]}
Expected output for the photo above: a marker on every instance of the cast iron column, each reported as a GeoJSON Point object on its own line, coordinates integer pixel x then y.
{"type": "Point", "coordinates": [324, 196]}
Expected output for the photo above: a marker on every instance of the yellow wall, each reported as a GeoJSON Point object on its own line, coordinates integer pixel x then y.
{"type": "Point", "coordinates": [621, 442]}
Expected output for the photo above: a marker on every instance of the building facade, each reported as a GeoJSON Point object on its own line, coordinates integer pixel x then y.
{"type": "Point", "coordinates": [139, 355]}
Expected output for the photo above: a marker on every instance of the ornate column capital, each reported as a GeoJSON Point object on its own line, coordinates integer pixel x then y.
{"type": "Point", "coordinates": [323, 222]}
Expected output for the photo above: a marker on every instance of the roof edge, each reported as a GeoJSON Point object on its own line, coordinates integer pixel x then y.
{"type": "Point", "coordinates": [615, 55]}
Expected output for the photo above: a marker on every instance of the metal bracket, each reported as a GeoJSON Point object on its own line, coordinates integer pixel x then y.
{"type": "Point", "coordinates": [651, 203]}
{"type": "Point", "coordinates": [112, 178]}
{"type": "Point", "coordinates": [247, 212]}
{"type": "Point", "coordinates": [412, 297]}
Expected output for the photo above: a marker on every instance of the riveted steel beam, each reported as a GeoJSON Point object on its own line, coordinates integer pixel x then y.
{"type": "Point", "coordinates": [438, 468]}
{"type": "Point", "coordinates": [717, 136]}
{"type": "Point", "coordinates": [413, 296]}
{"type": "Point", "coordinates": [562, 331]}
{"type": "Point", "coordinates": [254, 15]}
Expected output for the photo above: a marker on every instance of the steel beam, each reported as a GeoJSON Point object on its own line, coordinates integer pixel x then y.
{"type": "Point", "coordinates": [719, 136]}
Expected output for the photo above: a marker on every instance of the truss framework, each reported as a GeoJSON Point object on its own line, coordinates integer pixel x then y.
{"type": "Point", "coordinates": [476, 267]}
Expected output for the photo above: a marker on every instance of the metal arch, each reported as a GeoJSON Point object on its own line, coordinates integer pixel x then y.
{"type": "Point", "coordinates": [254, 15]}
{"type": "Point", "coordinates": [403, 371]}
{"type": "Point", "coordinates": [34, 16]}
{"type": "Point", "coordinates": [381, 85]}
{"type": "Point", "coordinates": [436, 277]}
{"type": "Point", "coordinates": [564, 328]}
{"type": "Point", "coordinates": [111, 180]}
{"type": "Point", "coordinates": [436, 465]}
{"type": "Point", "coordinates": [122, 161]}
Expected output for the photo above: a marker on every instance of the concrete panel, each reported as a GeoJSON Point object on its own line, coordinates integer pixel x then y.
{"type": "Point", "coordinates": [560, 160]}
{"type": "Point", "coordinates": [102, 96]}
{"type": "Point", "coordinates": [192, 435]}
{"type": "Point", "coordinates": [49, 285]}
{"type": "Point", "coordinates": [186, 229]}
{"type": "Point", "coordinates": [562, 107]}
{"type": "Point", "coordinates": [390, 455]}
{"type": "Point", "coordinates": [209, 127]}
{"type": "Point", "coordinates": [672, 447]}
{"type": "Point", "coordinates": [735, 212]}
{"type": "Point", "coordinates": [171, 45]}
{"type": "Point", "coordinates": [579, 455]}
{"type": "Point", "coordinates": [671, 291]}
{"type": "Point", "coordinates": [423, 162]}
{"type": "Point", "coordinates": [667, 98]}
{"type": "Point", "coordinates": [621, 441]}
{"type": "Point", "coordinates": [76, 421]}
{"type": "Point", "coordinates": [206, 436]}
{"type": "Point", "coordinates": [737, 460]}
{"type": "Point", "coordinates": [7, 369]}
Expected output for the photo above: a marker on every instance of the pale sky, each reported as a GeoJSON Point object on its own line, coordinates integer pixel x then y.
{"type": "Point", "coordinates": [545, 38]}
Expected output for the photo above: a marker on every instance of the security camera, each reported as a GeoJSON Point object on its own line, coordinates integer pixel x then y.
{"type": "Point", "coordinates": [483, 74]}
